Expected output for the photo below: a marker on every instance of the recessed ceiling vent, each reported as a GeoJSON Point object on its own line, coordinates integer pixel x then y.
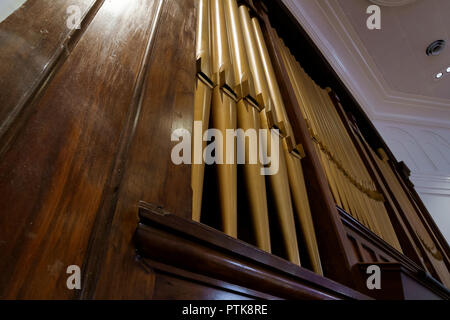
{"type": "Point", "coordinates": [436, 48]}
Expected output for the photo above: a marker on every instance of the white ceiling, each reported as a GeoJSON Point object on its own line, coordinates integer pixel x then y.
{"type": "Point", "coordinates": [398, 49]}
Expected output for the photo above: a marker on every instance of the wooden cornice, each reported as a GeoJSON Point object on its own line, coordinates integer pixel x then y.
{"type": "Point", "coordinates": [182, 243]}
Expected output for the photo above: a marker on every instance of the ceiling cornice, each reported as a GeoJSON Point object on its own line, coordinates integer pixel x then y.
{"type": "Point", "coordinates": [392, 3]}
{"type": "Point", "coordinates": [329, 28]}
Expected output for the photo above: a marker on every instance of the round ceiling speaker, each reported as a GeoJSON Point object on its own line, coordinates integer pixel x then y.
{"type": "Point", "coordinates": [436, 48]}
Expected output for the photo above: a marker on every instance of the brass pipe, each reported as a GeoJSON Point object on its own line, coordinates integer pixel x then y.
{"type": "Point", "coordinates": [221, 60]}
{"type": "Point", "coordinates": [281, 194]}
{"type": "Point", "coordinates": [328, 131]}
{"type": "Point", "coordinates": [202, 109]}
{"type": "Point", "coordinates": [203, 40]}
{"type": "Point", "coordinates": [304, 103]}
{"type": "Point", "coordinates": [249, 118]}
{"type": "Point", "coordinates": [302, 209]}
{"type": "Point", "coordinates": [255, 64]}
{"type": "Point", "coordinates": [223, 115]}
{"type": "Point", "coordinates": [272, 83]}
{"type": "Point", "coordinates": [243, 85]}
{"type": "Point", "coordinates": [298, 188]}
{"type": "Point", "coordinates": [279, 183]}
{"type": "Point", "coordinates": [202, 103]}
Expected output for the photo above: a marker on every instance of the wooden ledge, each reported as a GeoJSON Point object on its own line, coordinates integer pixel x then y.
{"type": "Point", "coordinates": [181, 243]}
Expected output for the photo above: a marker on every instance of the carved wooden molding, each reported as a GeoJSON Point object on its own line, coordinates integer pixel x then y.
{"type": "Point", "coordinates": [181, 243]}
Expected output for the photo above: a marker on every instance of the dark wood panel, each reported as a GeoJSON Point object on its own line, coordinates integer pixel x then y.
{"type": "Point", "coordinates": [33, 40]}
{"type": "Point", "coordinates": [148, 173]}
{"type": "Point", "coordinates": [192, 286]}
{"type": "Point", "coordinates": [53, 177]}
{"type": "Point", "coordinates": [187, 290]}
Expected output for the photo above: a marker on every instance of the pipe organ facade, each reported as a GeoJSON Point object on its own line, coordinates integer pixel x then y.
{"type": "Point", "coordinates": [336, 202]}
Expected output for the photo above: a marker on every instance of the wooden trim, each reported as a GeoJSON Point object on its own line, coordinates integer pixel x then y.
{"type": "Point", "coordinates": [401, 283]}
{"type": "Point", "coordinates": [197, 248]}
{"type": "Point", "coordinates": [160, 268]}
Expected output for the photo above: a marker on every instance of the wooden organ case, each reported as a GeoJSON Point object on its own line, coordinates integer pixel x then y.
{"type": "Point", "coordinates": [87, 177]}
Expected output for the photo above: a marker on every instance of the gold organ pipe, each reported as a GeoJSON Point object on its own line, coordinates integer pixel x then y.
{"type": "Point", "coordinates": [243, 85]}
{"type": "Point", "coordinates": [237, 88]}
{"type": "Point", "coordinates": [203, 40]}
{"type": "Point", "coordinates": [202, 104]}
{"type": "Point", "coordinates": [221, 65]}
{"type": "Point", "coordinates": [377, 212]}
{"type": "Point", "coordinates": [279, 183]}
{"type": "Point", "coordinates": [335, 174]}
{"type": "Point", "coordinates": [303, 101]}
{"type": "Point", "coordinates": [223, 115]}
{"type": "Point", "coordinates": [256, 68]}
{"type": "Point", "coordinates": [248, 118]}
{"type": "Point", "coordinates": [272, 84]}
{"type": "Point", "coordinates": [295, 170]}
{"type": "Point", "coordinates": [202, 108]}
{"type": "Point", "coordinates": [364, 206]}
{"type": "Point", "coordinates": [301, 202]}
{"type": "Point", "coordinates": [333, 138]}
{"type": "Point", "coordinates": [327, 129]}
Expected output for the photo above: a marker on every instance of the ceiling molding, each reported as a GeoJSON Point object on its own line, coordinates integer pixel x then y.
{"type": "Point", "coordinates": [392, 3]}
{"type": "Point", "coordinates": [329, 28]}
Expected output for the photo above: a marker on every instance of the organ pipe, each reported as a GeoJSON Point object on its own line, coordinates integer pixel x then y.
{"type": "Point", "coordinates": [202, 103]}
{"type": "Point", "coordinates": [349, 180]}
{"type": "Point", "coordinates": [248, 118]}
{"type": "Point", "coordinates": [223, 115]}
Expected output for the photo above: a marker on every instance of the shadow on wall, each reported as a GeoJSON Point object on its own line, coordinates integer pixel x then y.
{"type": "Point", "coordinates": [9, 6]}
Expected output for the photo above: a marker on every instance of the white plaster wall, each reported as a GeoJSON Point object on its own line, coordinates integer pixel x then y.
{"type": "Point", "coordinates": [426, 151]}
{"type": "Point", "coordinates": [9, 6]}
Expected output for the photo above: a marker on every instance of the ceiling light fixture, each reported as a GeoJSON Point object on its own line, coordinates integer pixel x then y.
{"type": "Point", "coordinates": [448, 70]}
{"type": "Point", "coordinates": [439, 75]}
